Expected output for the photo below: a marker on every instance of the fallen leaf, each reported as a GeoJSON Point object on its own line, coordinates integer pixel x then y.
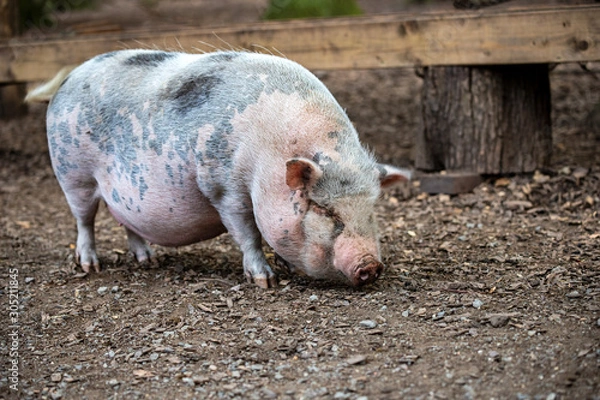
{"type": "Point", "coordinates": [24, 224]}
{"type": "Point", "coordinates": [502, 182]}
{"type": "Point", "coordinates": [142, 373]}
{"type": "Point", "coordinates": [538, 177]}
{"type": "Point", "coordinates": [174, 360]}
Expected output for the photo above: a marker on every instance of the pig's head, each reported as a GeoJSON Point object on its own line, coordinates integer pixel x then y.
{"type": "Point", "coordinates": [333, 233]}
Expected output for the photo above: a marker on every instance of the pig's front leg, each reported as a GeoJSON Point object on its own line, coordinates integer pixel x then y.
{"type": "Point", "coordinates": [243, 229]}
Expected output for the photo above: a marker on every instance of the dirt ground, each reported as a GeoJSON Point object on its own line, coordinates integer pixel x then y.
{"type": "Point", "coordinates": [493, 294]}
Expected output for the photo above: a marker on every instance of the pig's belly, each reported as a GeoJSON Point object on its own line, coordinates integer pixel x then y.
{"type": "Point", "coordinates": [175, 217]}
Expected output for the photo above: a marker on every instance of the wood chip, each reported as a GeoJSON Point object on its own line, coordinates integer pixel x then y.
{"type": "Point", "coordinates": [356, 360]}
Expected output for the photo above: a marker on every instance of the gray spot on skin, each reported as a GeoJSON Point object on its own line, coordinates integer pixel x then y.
{"type": "Point", "coordinates": [297, 209]}
{"type": "Point", "coordinates": [322, 158]}
{"type": "Point", "coordinates": [115, 196]}
{"type": "Point", "coordinates": [284, 242]}
{"type": "Point", "coordinates": [143, 188]}
{"type": "Point", "coordinates": [193, 93]}
{"type": "Point", "coordinates": [170, 173]}
{"type": "Point", "coordinates": [152, 59]}
{"type": "Point", "coordinates": [338, 228]}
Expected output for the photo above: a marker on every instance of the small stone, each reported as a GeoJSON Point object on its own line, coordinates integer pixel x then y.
{"type": "Point", "coordinates": [405, 313]}
{"type": "Point", "coordinates": [367, 324]}
{"type": "Point", "coordinates": [580, 173]}
{"type": "Point", "coordinates": [112, 382]}
{"type": "Point", "coordinates": [154, 356]}
{"type": "Point", "coordinates": [313, 298]}
{"type": "Point", "coordinates": [498, 320]}
{"type": "Point", "coordinates": [114, 289]}
{"type": "Point", "coordinates": [268, 393]}
{"type": "Point", "coordinates": [598, 323]}
{"type": "Point", "coordinates": [56, 377]}
{"type": "Point", "coordinates": [188, 381]}
{"type": "Point", "coordinates": [421, 311]}
{"type": "Point", "coordinates": [200, 379]}
{"type": "Point", "coordinates": [438, 316]}
{"type": "Point", "coordinates": [29, 279]}
{"type": "Point", "coordinates": [477, 303]}
{"type": "Point", "coordinates": [102, 290]}
{"type": "Point", "coordinates": [342, 395]}
{"type": "Point", "coordinates": [494, 355]}
{"type": "Point", "coordinates": [574, 294]}
{"type": "Point", "coordinates": [565, 171]}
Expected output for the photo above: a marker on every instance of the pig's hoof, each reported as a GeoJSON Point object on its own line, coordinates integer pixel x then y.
{"type": "Point", "coordinates": [264, 282]}
{"type": "Point", "coordinates": [87, 259]}
{"type": "Point", "coordinates": [139, 248]}
{"type": "Point", "coordinates": [144, 255]}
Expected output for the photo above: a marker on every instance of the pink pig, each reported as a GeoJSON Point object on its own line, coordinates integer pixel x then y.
{"type": "Point", "coordinates": [185, 147]}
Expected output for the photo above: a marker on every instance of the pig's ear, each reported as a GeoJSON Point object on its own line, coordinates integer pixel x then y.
{"type": "Point", "coordinates": [301, 173]}
{"type": "Point", "coordinates": [388, 175]}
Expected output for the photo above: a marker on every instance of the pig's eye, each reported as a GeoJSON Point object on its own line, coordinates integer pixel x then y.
{"type": "Point", "coordinates": [337, 226]}
{"type": "Point", "coordinates": [317, 209]}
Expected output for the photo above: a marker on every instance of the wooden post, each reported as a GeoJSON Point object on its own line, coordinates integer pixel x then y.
{"type": "Point", "coordinates": [488, 120]}
{"type": "Point", "coordinates": [11, 95]}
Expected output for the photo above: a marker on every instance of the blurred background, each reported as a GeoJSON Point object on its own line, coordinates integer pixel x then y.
{"type": "Point", "coordinates": [383, 103]}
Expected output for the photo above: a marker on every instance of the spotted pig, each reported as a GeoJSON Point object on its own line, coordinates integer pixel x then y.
{"type": "Point", "coordinates": [184, 147]}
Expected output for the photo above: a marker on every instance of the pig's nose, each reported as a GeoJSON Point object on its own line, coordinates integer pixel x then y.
{"type": "Point", "coordinates": [367, 272]}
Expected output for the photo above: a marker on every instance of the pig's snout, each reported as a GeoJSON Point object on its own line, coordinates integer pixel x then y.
{"type": "Point", "coordinates": [367, 271]}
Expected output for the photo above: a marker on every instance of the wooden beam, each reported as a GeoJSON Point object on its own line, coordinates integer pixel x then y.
{"type": "Point", "coordinates": [525, 36]}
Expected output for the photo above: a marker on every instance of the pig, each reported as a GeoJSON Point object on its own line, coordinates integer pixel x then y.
{"type": "Point", "coordinates": [184, 147]}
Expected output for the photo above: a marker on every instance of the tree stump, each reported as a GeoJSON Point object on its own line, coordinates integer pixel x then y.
{"type": "Point", "coordinates": [488, 119]}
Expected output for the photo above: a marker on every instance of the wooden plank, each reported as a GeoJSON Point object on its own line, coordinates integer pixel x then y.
{"type": "Point", "coordinates": [557, 34]}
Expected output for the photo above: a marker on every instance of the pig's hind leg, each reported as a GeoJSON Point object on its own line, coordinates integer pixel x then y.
{"type": "Point", "coordinates": [84, 202]}
{"type": "Point", "coordinates": [138, 246]}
